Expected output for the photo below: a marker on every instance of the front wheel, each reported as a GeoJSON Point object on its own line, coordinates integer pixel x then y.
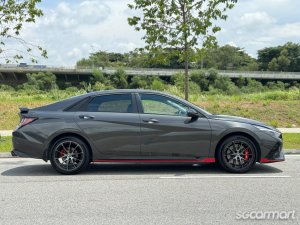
{"type": "Point", "coordinates": [69, 155]}
{"type": "Point", "coordinates": [237, 154]}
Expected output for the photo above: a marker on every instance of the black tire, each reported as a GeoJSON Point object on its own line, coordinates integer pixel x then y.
{"type": "Point", "coordinates": [237, 154]}
{"type": "Point", "coordinates": [69, 155]}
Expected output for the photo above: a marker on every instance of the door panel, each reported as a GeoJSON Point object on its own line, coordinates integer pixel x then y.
{"type": "Point", "coordinates": [114, 135]}
{"type": "Point", "coordinates": [174, 137]}
{"type": "Point", "coordinates": [112, 124]}
{"type": "Point", "coordinates": [167, 132]}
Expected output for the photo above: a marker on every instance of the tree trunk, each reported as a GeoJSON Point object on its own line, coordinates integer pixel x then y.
{"type": "Point", "coordinates": [186, 53]}
{"type": "Point", "coordinates": [186, 78]}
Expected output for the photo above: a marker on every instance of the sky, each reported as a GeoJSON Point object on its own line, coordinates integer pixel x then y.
{"type": "Point", "coordinates": [70, 29]}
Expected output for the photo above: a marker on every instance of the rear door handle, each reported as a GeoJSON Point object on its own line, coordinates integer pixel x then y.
{"type": "Point", "coordinates": [86, 117]}
{"type": "Point", "coordinates": [151, 121]}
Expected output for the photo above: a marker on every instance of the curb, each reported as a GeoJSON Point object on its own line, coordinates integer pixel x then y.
{"type": "Point", "coordinates": [292, 152]}
{"type": "Point", "coordinates": [6, 155]}
{"type": "Point", "coordinates": [286, 152]}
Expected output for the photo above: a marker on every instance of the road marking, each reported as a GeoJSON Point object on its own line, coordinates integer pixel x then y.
{"type": "Point", "coordinates": [219, 176]}
{"type": "Point", "coordinates": [292, 156]}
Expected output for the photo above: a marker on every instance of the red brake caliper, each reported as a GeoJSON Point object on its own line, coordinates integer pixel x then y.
{"type": "Point", "coordinates": [62, 152]}
{"type": "Point", "coordinates": [246, 156]}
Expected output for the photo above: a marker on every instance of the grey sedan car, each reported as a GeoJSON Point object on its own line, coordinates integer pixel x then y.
{"type": "Point", "coordinates": [141, 126]}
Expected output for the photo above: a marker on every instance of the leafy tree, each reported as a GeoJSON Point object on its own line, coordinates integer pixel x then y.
{"type": "Point", "coordinates": [280, 58]}
{"type": "Point", "coordinates": [14, 14]}
{"type": "Point", "coordinates": [229, 58]}
{"type": "Point", "coordinates": [179, 25]}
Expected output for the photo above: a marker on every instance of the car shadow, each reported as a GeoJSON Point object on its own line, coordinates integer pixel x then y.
{"type": "Point", "coordinates": [137, 169]}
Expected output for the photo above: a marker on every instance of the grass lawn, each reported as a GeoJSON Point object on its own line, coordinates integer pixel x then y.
{"type": "Point", "coordinates": [291, 141]}
{"type": "Point", "coordinates": [5, 144]}
{"type": "Point", "coordinates": [277, 108]}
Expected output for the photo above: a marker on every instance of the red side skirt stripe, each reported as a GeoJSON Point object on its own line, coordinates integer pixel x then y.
{"type": "Point", "coordinates": [205, 160]}
{"type": "Point", "coordinates": [265, 160]}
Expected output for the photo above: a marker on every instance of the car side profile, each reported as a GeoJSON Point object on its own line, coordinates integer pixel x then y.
{"type": "Point", "coordinates": [141, 126]}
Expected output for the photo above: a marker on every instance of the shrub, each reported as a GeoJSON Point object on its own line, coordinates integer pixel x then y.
{"type": "Point", "coordinates": [41, 81]}
{"type": "Point", "coordinates": [158, 84]}
{"type": "Point", "coordinates": [200, 78]}
{"type": "Point", "coordinates": [4, 87]}
{"type": "Point", "coordinates": [98, 76]}
{"type": "Point", "coordinates": [119, 79]}
{"type": "Point", "coordinates": [98, 86]}
{"type": "Point", "coordinates": [71, 89]}
{"type": "Point", "coordinates": [139, 82]}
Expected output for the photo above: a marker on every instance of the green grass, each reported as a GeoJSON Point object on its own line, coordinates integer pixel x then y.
{"type": "Point", "coordinates": [5, 144]}
{"type": "Point", "coordinates": [276, 108]}
{"type": "Point", "coordinates": [291, 141]}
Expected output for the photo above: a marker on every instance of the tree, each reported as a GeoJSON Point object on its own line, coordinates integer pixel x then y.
{"type": "Point", "coordinates": [229, 58]}
{"type": "Point", "coordinates": [180, 25]}
{"type": "Point", "coordinates": [13, 15]}
{"type": "Point", "coordinates": [280, 58]}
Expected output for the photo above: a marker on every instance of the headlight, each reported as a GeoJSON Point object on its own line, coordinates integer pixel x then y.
{"type": "Point", "coordinates": [273, 133]}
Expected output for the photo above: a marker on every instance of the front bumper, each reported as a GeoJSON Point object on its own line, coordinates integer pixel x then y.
{"type": "Point", "coordinates": [275, 155]}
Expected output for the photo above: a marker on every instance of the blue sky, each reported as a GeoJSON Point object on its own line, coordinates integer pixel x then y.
{"type": "Point", "coordinates": [72, 29]}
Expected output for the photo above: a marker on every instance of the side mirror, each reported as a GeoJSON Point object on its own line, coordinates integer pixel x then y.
{"type": "Point", "coordinates": [192, 113]}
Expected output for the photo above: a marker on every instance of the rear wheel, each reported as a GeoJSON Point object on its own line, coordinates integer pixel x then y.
{"type": "Point", "coordinates": [69, 155]}
{"type": "Point", "coordinates": [237, 154]}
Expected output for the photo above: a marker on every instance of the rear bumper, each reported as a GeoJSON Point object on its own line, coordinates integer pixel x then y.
{"type": "Point", "coordinates": [27, 144]}
{"type": "Point", "coordinates": [20, 154]}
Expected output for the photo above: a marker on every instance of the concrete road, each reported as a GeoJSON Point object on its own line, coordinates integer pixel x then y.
{"type": "Point", "coordinates": [32, 193]}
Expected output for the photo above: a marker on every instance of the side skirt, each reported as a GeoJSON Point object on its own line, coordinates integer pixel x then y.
{"type": "Point", "coordinates": [204, 160]}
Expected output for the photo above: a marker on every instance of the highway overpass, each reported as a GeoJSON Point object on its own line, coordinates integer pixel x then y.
{"type": "Point", "coordinates": [17, 74]}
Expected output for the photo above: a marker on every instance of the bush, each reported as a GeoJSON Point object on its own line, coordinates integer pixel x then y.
{"type": "Point", "coordinates": [97, 76]}
{"type": "Point", "coordinates": [119, 79]}
{"type": "Point", "coordinates": [40, 81]}
{"type": "Point", "coordinates": [4, 87]}
{"type": "Point", "coordinates": [98, 86]}
{"type": "Point", "coordinates": [200, 78]}
{"type": "Point", "coordinates": [252, 86]}
{"type": "Point", "coordinates": [178, 81]}
{"type": "Point", "coordinates": [71, 89]}
{"type": "Point", "coordinates": [158, 84]}
{"type": "Point", "coordinates": [139, 82]}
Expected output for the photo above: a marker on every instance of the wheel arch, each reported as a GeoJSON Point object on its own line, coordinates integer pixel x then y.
{"type": "Point", "coordinates": [239, 133]}
{"type": "Point", "coordinates": [46, 154]}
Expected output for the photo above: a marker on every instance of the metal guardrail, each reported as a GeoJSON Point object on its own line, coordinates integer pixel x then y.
{"type": "Point", "coordinates": [70, 70]}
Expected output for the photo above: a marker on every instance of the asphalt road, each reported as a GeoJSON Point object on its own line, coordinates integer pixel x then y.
{"type": "Point", "coordinates": [32, 193]}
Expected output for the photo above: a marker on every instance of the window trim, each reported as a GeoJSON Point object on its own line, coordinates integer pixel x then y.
{"type": "Point", "coordinates": [83, 108]}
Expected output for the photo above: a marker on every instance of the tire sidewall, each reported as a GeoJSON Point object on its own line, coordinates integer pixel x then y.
{"type": "Point", "coordinates": [85, 155]}
{"type": "Point", "coordinates": [225, 143]}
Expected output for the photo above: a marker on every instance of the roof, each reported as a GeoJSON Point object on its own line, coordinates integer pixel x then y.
{"type": "Point", "coordinates": [125, 91]}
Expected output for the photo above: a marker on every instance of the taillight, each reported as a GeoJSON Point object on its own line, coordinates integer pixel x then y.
{"type": "Point", "coordinates": [26, 120]}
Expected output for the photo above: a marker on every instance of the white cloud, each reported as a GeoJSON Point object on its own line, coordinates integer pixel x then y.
{"type": "Point", "coordinates": [70, 30]}
{"type": "Point", "coordinates": [286, 31]}
{"type": "Point", "coordinates": [255, 19]}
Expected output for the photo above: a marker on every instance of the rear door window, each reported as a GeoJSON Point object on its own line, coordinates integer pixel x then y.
{"type": "Point", "coordinates": [117, 103]}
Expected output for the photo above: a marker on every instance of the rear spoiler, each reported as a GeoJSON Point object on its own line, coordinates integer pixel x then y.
{"type": "Point", "coordinates": [24, 110]}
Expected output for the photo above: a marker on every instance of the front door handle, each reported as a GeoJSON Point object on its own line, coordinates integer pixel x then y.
{"type": "Point", "coordinates": [86, 117]}
{"type": "Point", "coordinates": [151, 121]}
